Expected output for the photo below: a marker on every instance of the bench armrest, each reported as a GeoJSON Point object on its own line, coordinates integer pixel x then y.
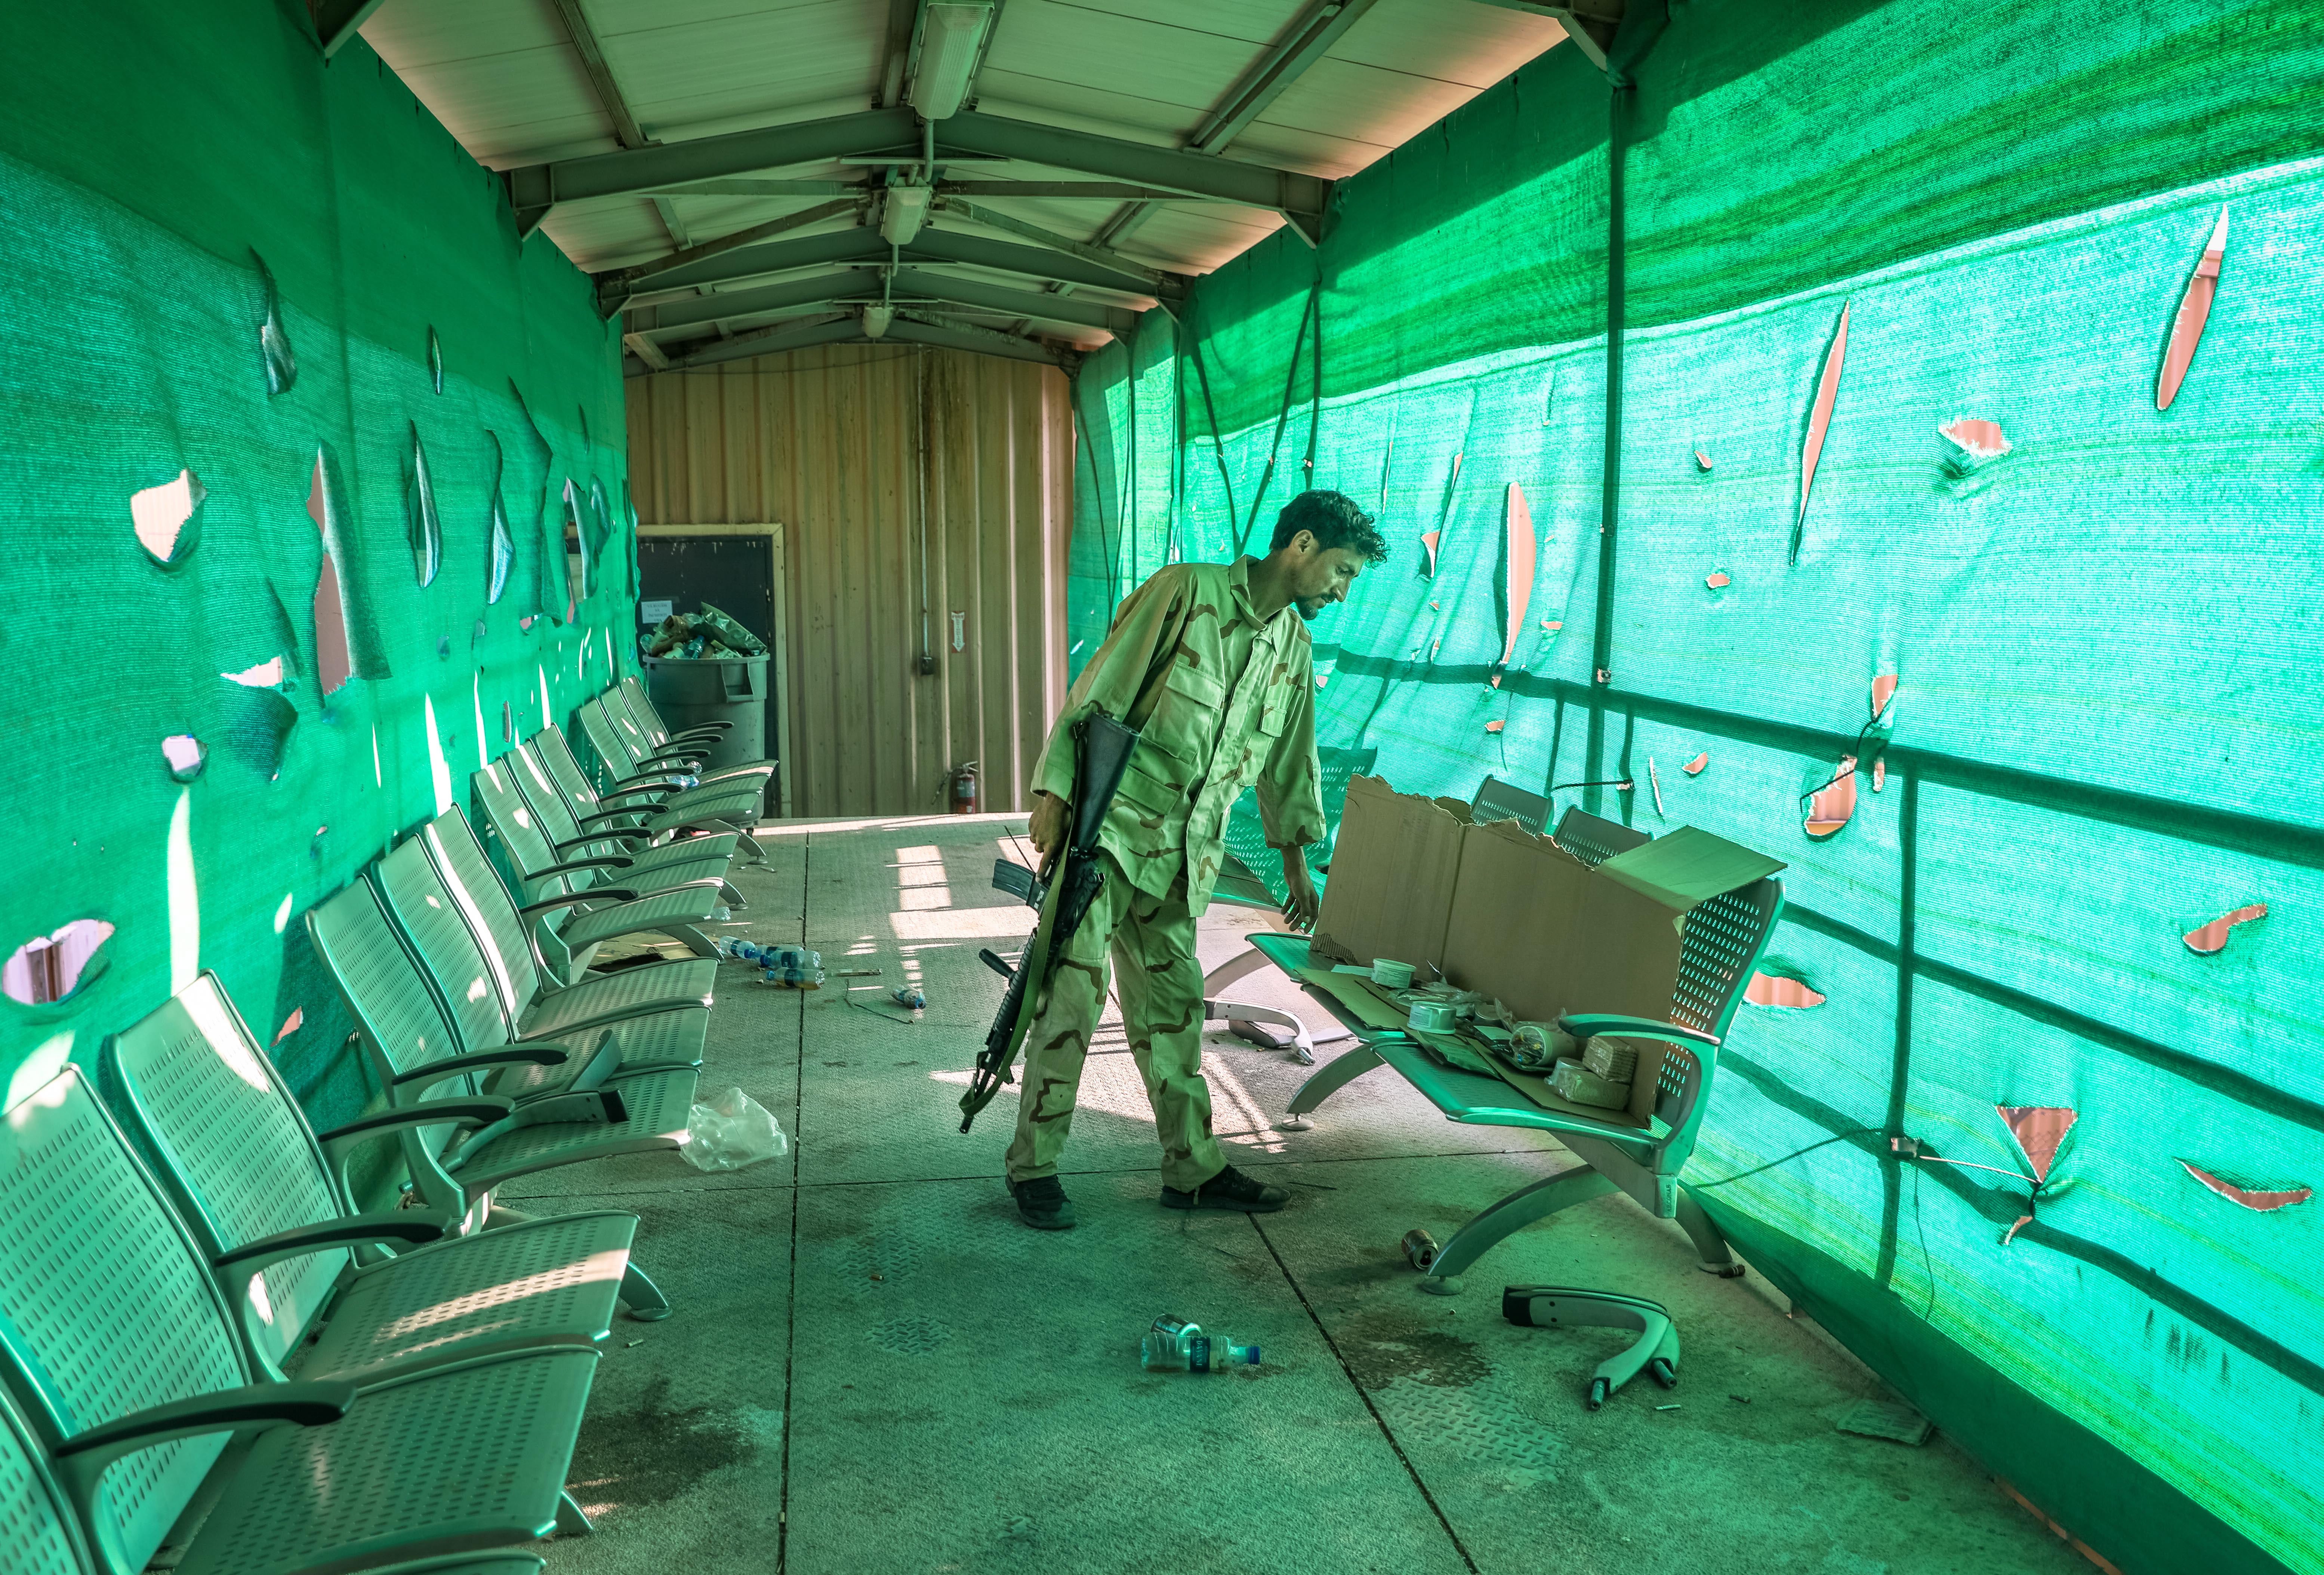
{"type": "Point", "coordinates": [1585, 1026]}
{"type": "Point", "coordinates": [544, 1054]}
{"type": "Point", "coordinates": [411, 1225]}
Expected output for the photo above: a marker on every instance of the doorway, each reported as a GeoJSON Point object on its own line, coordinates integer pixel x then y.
{"type": "Point", "coordinates": [738, 569]}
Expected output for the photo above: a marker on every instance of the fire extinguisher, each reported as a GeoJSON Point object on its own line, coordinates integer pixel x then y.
{"type": "Point", "coordinates": [964, 788]}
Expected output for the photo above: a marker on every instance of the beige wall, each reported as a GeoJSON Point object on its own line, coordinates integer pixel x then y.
{"type": "Point", "coordinates": [831, 443]}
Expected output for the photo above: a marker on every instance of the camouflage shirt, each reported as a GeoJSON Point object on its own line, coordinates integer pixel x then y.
{"type": "Point", "coordinates": [1223, 700]}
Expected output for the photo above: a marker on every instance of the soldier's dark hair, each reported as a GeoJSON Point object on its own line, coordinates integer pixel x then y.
{"type": "Point", "coordinates": [1334, 519]}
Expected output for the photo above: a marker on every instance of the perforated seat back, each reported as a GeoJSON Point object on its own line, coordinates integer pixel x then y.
{"type": "Point", "coordinates": [642, 709]}
{"type": "Point", "coordinates": [1591, 838]}
{"type": "Point", "coordinates": [462, 974]}
{"type": "Point", "coordinates": [573, 784]}
{"type": "Point", "coordinates": [112, 1306]}
{"type": "Point", "coordinates": [635, 740]}
{"type": "Point", "coordinates": [36, 1526]}
{"type": "Point", "coordinates": [1722, 944]}
{"type": "Point", "coordinates": [236, 1153]}
{"type": "Point", "coordinates": [395, 1010]}
{"type": "Point", "coordinates": [552, 812]}
{"type": "Point", "coordinates": [615, 758]}
{"type": "Point", "coordinates": [511, 820]}
{"type": "Point", "coordinates": [490, 913]}
{"type": "Point", "coordinates": [1499, 800]}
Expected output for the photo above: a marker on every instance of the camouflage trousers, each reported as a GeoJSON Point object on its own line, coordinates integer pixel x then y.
{"type": "Point", "coordinates": [1152, 942]}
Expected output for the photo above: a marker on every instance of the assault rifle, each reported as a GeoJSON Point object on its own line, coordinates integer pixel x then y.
{"type": "Point", "coordinates": [1069, 882]}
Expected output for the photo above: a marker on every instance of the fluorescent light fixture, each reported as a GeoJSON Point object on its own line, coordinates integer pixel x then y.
{"type": "Point", "coordinates": [952, 36]}
{"type": "Point", "coordinates": [904, 211]}
{"type": "Point", "coordinates": [876, 320]}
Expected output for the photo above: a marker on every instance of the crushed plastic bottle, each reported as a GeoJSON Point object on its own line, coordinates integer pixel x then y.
{"type": "Point", "coordinates": [909, 995]}
{"type": "Point", "coordinates": [1173, 1345]}
{"type": "Point", "coordinates": [796, 967]}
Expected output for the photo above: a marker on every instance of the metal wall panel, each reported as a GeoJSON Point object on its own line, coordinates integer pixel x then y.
{"type": "Point", "coordinates": [840, 444]}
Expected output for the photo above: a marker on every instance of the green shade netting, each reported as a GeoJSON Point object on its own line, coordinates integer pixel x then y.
{"type": "Point", "coordinates": [151, 156]}
{"type": "Point", "coordinates": [2100, 738]}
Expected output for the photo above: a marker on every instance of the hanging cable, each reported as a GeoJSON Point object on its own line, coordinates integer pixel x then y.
{"type": "Point", "coordinates": [1282, 419]}
{"type": "Point", "coordinates": [1218, 446]}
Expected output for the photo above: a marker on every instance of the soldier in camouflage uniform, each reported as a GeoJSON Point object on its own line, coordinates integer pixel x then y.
{"type": "Point", "coordinates": [1211, 663]}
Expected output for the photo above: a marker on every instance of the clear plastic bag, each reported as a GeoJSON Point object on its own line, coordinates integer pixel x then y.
{"type": "Point", "coordinates": [730, 1131]}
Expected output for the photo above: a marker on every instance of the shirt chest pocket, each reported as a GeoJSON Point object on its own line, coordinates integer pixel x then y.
{"type": "Point", "coordinates": [1186, 718]}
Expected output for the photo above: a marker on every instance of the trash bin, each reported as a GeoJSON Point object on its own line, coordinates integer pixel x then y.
{"type": "Point", "coordinates": [689, 693]}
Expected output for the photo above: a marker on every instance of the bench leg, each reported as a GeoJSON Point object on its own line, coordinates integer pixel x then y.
{"type": "Point", "coordinates": [1709, 1244]}
{"type": "Point", "coordinates": [1334, 1075]}
{"type": "Point", "coordinates": [571, 1520]}
{"type": "Point", "coordinates": [643, 1297]}
{"type": "Point", "coordinates": [1239, 967]}
{"type": "Point", "coordinates": [1512, 1213]}
{"type": "Point", "coordinates": [1301, 1046]}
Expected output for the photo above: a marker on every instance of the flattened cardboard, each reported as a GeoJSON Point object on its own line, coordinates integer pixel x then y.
{"type": "Point", "coordinates": [1689, 865]}
{"type": "Point", "coordinates": [1548, 935]}
{"type": "Point", "coordinates": [1393, 870]}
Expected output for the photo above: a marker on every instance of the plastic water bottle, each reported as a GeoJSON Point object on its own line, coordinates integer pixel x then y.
{"type": "Point", "coordinates": [909, 995]}
{"type": "Point", "coordinates": [1173, 1345]}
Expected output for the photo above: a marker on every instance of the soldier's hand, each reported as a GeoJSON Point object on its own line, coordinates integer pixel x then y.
{"type": "Point", "coordinates": [1302, 906]}
{"type": "Point", "coordinates": [1049, 827]}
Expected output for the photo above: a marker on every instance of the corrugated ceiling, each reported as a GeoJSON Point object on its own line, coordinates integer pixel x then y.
{"type": "Point", "coordinates": [507, 78]}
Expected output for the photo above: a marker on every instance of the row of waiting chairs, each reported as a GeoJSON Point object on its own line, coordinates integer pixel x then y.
{"type": "Point", "coordinates": [207, 1353]}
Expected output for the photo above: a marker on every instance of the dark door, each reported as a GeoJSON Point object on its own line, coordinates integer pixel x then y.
{"type": "Point", "coordinates": [734, 574]}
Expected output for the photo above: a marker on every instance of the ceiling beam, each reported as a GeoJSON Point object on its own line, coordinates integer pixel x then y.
{"type": "Point", "coordinates": [1091, 190]}
{"type": "Point", "coordinates": [686, 311]}
{"type": "Point", "coordinates": [931, 246]}
{"type": "Point", "coordinates": [903, 22]}
{"type": "Point", "coordinates": [534, 189]}
{"type": "Point", "coordinates": [624, 283]}
{"type": "Point", "coordinates": [1311, 34]}
{"type": "Point", "coordinates": [1098, 255]}
{"type": "Point", "coordinates": [866, 284]}
{"type": "Point", "coordinates": [336, 21]}
{"type": "Point", "coordinates": [1590, 25]}
{"type": "Point", "coordinates": [968, 337]}
{"type": "Point", "coordinates": [601, 75]}
{"type": "Point", "coordinates": [768, 341]}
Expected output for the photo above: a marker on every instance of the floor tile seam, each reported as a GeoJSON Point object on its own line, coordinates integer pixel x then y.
{"type": "Point", "coordinates": [1387, 1432]}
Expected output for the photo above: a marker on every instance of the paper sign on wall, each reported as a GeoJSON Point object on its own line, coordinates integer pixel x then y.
{"type": "Point", "coordinates": [654, 612]}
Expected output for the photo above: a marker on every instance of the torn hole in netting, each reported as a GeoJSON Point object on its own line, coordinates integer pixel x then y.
{"type": "Point", "coordinates": [423, 527]}
{"type": "Point", "coordinates": [2039, 1132]}
{"type": "Point", "coordinates": [1512, 586]}
{"type": "Point", "coordinates": [258, 726]}
{"type": "Point", "coordinates": [290, 1025]}
{"type": "Point", "coordinates": [1701, 462]}
{"type": "Point", "coordinates": [186, 756]}
{"type": "Point", "coordinates": [476, 635]}
{"type": "Point", "coordinates": [508, 723]}
{"type": "Point", "coordinates": [500, 545]}
{"type": "Point", "coordinates": [168, 518]}
{"type": "Point", "coordinates": [50, 967]}
{"type": "Point", "coordinates": [1717, 580]}
{"type": "Point", "coordinates": [274, 340]}
{"type": "Point", "coordinates": [1428, 539]}
{"type": "Point", "coordinates": [434, 361]}
{"type": "Point", "coordinates": [577, 553]}
{"type": "Point", "coordinates": [444, 647]}
{"type": "Point", "coordinates": [535, 463]}
{"type": "Point", "coordinates": [1829, 807]}
{"type": "Point", "coordinates": [2259, 1199]}
{"type": "Point", "coordinates": [2210, 939]}
{"type": "Point", "coordinates": [599, 520]}
{"type": "Point", "coordinates": [1694, 767]}
{"type": "Point", "coordinates": [264, 674]}
{"type": "Point", "coordinates": [1969, 442]}
{"type": "Point", "coordinates": [2194, 311]}
{"type": "Point", "coordinates": [346, 638]}
{"type": "Point", "coordinates": [1827, 396]}
{"type": "Point", "coordinates": [1782, 990]}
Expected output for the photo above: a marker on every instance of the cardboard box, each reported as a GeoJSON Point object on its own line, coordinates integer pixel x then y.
{"type": "Point", "coordinates": [1389, 891]}
{"type": "Point", "coordinates": [1547, 934]}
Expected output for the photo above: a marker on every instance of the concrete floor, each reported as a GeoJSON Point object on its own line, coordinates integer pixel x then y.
{"type": "Point", "coordinates": [873, 1366]}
